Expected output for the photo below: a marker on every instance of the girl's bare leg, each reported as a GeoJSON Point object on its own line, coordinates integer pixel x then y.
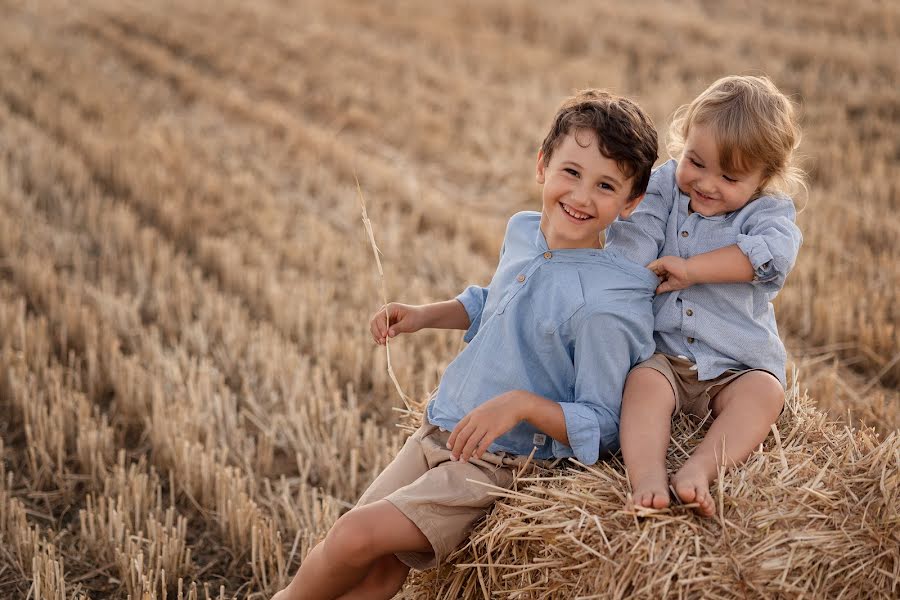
{"type": "Point", "coordinates": [648, 402]}
{"type": "Point", "coordinates": [744, 412]}
{"type": "Point", "coordinates": [355, 556]}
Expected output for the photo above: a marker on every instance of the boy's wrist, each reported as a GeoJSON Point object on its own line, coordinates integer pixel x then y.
{"type": "Point", "coordinates": [426, 315]}
{"type": "Point", "coordinates": [516, 403]}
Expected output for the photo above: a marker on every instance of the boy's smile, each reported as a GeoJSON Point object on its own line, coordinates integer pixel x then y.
{"type": "Point", "coordinates": [574, 213]}
{"type": "Point", "coordinates": [583, 192]}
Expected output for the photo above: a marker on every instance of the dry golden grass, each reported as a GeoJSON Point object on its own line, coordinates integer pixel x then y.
{"type": "Point", "coordinates": [813, 514]}
{"type": "Point", "coordinates": [189, 391]}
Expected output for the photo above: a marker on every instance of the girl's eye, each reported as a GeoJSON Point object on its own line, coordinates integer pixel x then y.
{"type": "Point", "coordinates": [729, 179]}
{"type": "Point", "coordinates": [695, 163]}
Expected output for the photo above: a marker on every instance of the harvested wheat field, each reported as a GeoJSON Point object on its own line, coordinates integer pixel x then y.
{"type": "Point", "coordinates": [190, 395]}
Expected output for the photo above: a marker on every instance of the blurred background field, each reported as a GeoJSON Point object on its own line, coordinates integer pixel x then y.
{"type": "Point", "coordinates": [189, 389]}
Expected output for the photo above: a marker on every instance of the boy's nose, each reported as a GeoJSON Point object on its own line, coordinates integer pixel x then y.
{"type": "Point", "coordinates": [578, 195]}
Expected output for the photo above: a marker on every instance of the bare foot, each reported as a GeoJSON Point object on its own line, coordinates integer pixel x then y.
{"type": "Point", "coordinates": [692, 487]}
{"type": "Point", "coordinates": [650, 491]}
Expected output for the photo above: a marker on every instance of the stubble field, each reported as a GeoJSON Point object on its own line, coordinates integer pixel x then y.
{"type": "Point", "coordinates": [188, 387]}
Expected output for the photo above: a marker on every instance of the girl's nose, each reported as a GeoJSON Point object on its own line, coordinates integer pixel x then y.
{"type": "Point", "coordinates": [707, 186]}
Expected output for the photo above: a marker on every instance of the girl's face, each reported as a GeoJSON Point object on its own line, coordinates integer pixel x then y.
{"type": "Point", "coordinates": [700, 176]}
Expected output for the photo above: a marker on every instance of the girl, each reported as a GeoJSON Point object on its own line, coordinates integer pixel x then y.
{"type": "Point", "coordinates": [717, 225]}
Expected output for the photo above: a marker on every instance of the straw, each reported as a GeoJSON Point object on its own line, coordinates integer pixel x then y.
{"type": "Point", "coordinates": [814, 513]}
{"type": "Point", "coordinates": [376, 252]}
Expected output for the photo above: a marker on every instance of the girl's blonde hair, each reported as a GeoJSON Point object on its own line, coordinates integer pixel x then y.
{"type": "Point", "coordinates": [754, 124]}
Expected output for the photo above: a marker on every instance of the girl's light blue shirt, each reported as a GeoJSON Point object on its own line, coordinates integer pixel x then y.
{"type": "Point", "coordinates": [718, 326]}
{"type": "Point", "coordinates": [564, 324]}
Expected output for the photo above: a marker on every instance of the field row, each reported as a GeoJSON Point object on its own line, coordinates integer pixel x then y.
{"type": "Point", "coordinates": [189, 385]}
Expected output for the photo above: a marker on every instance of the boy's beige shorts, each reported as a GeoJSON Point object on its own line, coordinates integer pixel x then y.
{"type": "Point", "coordinates": [435, 493]}
{"type": "Point", "coordinates": [692, 396]}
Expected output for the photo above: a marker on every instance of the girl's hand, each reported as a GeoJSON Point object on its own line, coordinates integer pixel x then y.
{"type": "Point", "coordinates": [474, 434]}
{"type": "Point", "coordinates": [674, 273]}
{"type": "Point", "coordinates": [404, 318]}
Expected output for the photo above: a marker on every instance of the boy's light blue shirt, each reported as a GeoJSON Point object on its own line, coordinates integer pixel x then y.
{"type": "Point", "coordinates": [564, 324]}
{"type": "Point", "coordinates": [723, 325]}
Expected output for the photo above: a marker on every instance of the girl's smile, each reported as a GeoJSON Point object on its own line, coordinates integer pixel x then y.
{"type": "Point", "coordinates": [700, 169]}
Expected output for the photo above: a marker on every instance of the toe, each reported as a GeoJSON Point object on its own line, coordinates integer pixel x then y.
{"type": "Point", "coordinates": [687, 493]}
{"type": "Point", "coordinates": [707, 506]}
{"type": "Point", "coordinates": [645, 500]}
{"type": "Point", "coordinates": [660, 500]}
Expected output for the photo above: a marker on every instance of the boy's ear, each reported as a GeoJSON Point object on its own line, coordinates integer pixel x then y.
{"type": "Point", "coordinates": [630, 206]}
{"type": "Point", "coordinates": [541, 167]}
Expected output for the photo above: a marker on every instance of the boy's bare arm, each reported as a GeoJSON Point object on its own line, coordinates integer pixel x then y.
{"type": "Point", "coordinates": [474, 434]}
{"type": "Point", "coordinates": [725, 265]}
{"type": "Point", "coordinates": [409, 318]}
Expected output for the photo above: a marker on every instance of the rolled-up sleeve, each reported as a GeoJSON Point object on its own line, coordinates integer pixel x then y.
{"type": "Point", "coordinates": [771, 240]}
{"type": "Point", "coordinates": [473, 299]}
{"type": "Point", "coordinates": [606, 348]}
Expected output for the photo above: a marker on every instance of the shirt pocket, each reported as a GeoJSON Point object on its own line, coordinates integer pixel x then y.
{"type": "Point", "coordinates": [559, 297]}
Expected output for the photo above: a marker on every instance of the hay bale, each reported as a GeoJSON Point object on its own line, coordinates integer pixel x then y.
{"type": "Point", "coordinates": [815, 513]}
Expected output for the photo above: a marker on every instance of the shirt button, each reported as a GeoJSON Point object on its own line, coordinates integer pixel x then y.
{"type": "Point", "coordinates": [690, 340]}
{"type": "Point", "coordinates": [520, 278]}
{"type": "Point", "coordinates": [689, 312]}
{"type": "Point", "coordinates": [548, 255]}
{"type": "Point", "coordinates": [684, 234]}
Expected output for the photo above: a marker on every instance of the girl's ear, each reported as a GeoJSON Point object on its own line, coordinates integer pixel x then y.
{"type": "Point", "coordinates": [541, 167]}
{"type": "Point", "coordinates": [630, 206]}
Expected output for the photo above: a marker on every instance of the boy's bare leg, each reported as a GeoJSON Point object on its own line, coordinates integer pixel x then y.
{"type": "Point", "coordinates": [350, 561]}
{"type": "Point", "coordinates": [384, 580]}
{"type": "Point", "coordinates": [648, 402]}
{"type": "Point", "coordinates": [744, 412]}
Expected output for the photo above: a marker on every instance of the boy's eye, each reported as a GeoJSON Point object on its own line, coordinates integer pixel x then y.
{"type": "Point", "coordinates": [571, 172]}
{"type": "Point", "coordinates": [606, 186]}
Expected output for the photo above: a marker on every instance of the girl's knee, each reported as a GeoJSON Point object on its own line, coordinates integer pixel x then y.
{"type": "Point", "coordinates": [769, 392]}
{"type": "Point", "coordinates": [760, 388]}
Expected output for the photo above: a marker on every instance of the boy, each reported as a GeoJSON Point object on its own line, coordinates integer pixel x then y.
{"type": "Point", "coordinates": [551, 340]}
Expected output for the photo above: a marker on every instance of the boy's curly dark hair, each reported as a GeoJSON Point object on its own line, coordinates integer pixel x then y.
{"type": "Point", "coordinates": [624, 132]}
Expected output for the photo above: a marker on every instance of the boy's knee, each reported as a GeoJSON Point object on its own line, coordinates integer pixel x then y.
{"type": "Point", "coordinates": [350, 542]}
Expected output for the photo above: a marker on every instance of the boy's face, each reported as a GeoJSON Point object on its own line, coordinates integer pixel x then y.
{"type": "Point", "coordinates": [699, 175]}
{"type": "Point", "coordinates": [583, 192]}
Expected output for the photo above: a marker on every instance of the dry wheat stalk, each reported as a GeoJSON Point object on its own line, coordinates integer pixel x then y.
{"type": "Point", "coordinates": [376, 253]}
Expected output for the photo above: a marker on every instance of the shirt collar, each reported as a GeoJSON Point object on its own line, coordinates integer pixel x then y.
{"type": "Point", "coordinates": [540, 241]}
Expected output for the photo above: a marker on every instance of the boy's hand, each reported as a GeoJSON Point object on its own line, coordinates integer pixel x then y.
{"type": "Point", "coordinates": [674, 273]}
{"type": "Point", "coordinates": [404, 318]}
{"type": "Point", "coordinates": [474, 434]}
